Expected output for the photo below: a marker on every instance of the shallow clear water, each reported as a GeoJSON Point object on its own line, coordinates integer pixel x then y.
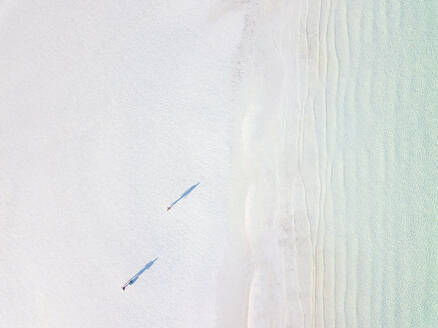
{"type": "Point", "coordinates": [376, 110]}
{"type": "Point", "coordinates": [340, 145]}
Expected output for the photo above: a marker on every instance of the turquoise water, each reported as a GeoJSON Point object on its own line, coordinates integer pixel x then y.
{"type": "Point", "coordinates": [375, 99]}
{"type": "Point", "coordinates": [338, 158]}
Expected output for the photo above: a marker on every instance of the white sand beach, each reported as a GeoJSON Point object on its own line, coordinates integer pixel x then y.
{"type": "Point", "coordinates": [310, 126]}
{"type": "Point", "coordinates": [109, 111]}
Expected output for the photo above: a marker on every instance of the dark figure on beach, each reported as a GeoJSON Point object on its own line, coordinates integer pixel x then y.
{"type": "Point", "coordinates": [135, 277]}
{"type": "Point", "coordinates": [188, 191]}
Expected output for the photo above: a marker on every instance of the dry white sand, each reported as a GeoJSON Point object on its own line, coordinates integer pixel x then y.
{"type": "Point", "coordinates": [109, 111]}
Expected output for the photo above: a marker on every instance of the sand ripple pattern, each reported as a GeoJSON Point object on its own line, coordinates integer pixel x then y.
{"type": "Point", "coordinates": [339, 149]}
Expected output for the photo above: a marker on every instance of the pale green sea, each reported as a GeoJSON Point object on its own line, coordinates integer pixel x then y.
{"type": "Point", "coordinates": [339, 155]}
{"type": "Point", "coordinates": [376, 109]}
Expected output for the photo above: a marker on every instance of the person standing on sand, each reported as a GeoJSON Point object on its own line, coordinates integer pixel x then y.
{"type": "Point", "coordinates": [135, 277]}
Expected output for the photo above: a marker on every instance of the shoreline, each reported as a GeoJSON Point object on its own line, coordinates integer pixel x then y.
{"type": "Point", "coordinates": [267, 174]}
